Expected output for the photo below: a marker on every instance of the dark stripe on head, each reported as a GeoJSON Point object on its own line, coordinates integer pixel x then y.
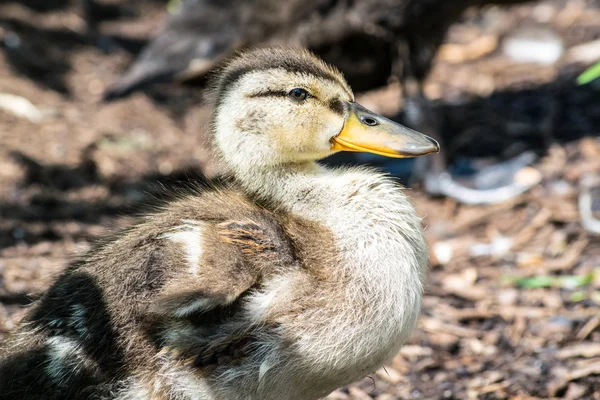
{"type": "Point", "coordinates": [270, 93]}
{"type": "Point", "coordinates": [229, 77]}
{"type": "Point", "coordinates": [294, 61]}
{"type": "Point", "coordinates": [337, 106]}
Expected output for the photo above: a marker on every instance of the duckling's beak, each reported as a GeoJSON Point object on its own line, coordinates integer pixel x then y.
{"type": "Point", "coordinates": [369, 132]}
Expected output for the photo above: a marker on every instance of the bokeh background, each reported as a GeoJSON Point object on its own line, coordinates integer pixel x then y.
{"type": "Point", "coordinates": [512, 306]}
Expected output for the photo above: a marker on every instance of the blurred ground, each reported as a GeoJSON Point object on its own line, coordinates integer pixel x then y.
{"type": "Point", "coordinates": [512, 304]}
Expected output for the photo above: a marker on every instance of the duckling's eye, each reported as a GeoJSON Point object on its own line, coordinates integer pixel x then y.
{"type": "Point", "coordinates": [298, 94]}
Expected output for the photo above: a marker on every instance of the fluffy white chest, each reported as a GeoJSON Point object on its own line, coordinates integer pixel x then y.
{"type": "Point", "coordinates": [382, 249]}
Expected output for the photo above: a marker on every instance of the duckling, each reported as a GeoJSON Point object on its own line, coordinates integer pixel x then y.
{"type": "Point", "coordinates": [288, 282]}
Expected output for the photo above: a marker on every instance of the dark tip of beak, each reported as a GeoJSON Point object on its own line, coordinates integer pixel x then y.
{"type": "Point", "coordinates": [424, 146]}
{"type": "Point", "coordinates": [434, 144]}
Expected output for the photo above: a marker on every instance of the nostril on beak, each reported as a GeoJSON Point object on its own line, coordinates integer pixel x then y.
{"type": "Point", "coordinates": [369, 121]}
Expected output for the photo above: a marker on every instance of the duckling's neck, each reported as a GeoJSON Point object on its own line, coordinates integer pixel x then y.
{"type": "Point", "coordinates": [288, 185]}
{"type": "Point", "coordinates": [380, 251]}
{"type": "Point", "coordinates": [361, 206]}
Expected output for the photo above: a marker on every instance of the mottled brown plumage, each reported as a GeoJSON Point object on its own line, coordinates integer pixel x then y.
{"type": "Point", "coordinates": [134, 284]}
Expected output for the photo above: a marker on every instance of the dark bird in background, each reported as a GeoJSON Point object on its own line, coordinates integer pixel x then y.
{"type": "Point", "coordinates": [370, 41]}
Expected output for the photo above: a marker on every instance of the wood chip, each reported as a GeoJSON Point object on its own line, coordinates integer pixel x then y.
{"type": "Point", "coordinates": [568, 376]}
{"type": "Point", "coordinates": [570, 257]}
{"type": "Point", "coordinates": [588, 328]}
{"type": "Point", "coordinates": [586, 349]}
{"type": "Point", "coordinates": [390, 375]}
{"type": "Point", "coordinates": [416, 351]}
{"type": "Point", "coordinates": [436, 326]}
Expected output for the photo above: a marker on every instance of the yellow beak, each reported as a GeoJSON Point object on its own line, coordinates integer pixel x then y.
{"type": "Point", "coordinates": [369, 132]}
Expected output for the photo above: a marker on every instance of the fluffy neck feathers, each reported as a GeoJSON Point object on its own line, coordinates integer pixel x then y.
{"type": "Point", "coordinates": [286, 184]}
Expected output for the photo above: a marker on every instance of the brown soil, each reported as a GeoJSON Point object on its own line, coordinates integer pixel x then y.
{"type": "Point", "coordinates": [488, 329]}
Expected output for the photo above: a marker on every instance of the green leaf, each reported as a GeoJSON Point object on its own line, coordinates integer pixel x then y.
{"type": "Point", "coordinates": [580, 295]}
{"type": "Point", "coordinates": [571, 282]}
{"type": "Point", "coordinates": [589, 74]}
{"type": "Point", "coordinates": [174, 6]}
{"type": "Point", "coordinates": [546, 281]}
{"type": "Point", "coordinates": [535, 282]}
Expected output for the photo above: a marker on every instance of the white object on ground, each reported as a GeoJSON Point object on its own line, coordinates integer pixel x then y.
{"type": "Point", "coordinates": [21, 107]}
{"type": "Point", "coordinates": [586, 202]}
{"type": "Point", "coordinates": [536, 45]}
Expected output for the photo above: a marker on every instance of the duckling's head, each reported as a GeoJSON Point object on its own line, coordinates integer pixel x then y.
{"type": "Point", "coordinates": [281, 106]}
